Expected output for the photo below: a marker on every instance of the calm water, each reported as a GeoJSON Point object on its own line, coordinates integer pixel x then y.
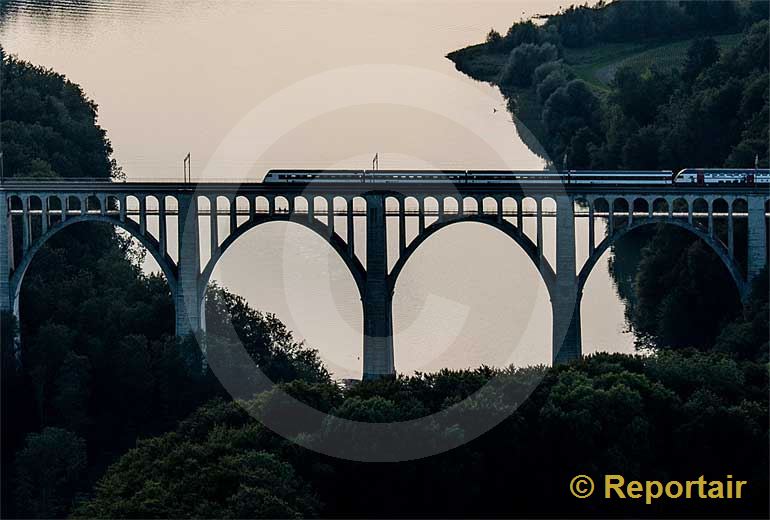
{"type": "Point", "coordinates": [250, 85]}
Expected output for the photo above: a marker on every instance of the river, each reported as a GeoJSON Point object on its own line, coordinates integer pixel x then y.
{"type": "Point", "coordinates": [324, 84]}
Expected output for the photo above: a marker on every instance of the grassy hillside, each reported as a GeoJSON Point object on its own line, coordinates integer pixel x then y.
{"type": "Point", "coordinates": [597, 64]}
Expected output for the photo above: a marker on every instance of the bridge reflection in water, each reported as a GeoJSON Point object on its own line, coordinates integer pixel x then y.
{"type": "Point", "coordinates": [39, 209]}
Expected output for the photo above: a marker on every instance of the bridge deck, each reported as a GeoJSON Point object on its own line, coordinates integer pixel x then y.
{"type": "Point", "coordinates": [391, 213]}
{"type": "Point", "coordinates": [401, 189]}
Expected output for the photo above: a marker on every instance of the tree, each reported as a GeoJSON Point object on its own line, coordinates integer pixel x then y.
{"type": "Point", "coordinates": [581, 148]}
{"type": "Point", "coordinates": [641, 150]}
{"type": "Point", "coordinates": [214, 466]}
{"type": "Point", "coordinates": [550, 84]}
{"type": "Point", "coordinates": [755, 112]}
{"type": "Point", "coordinates": [702, 54]}
{"type": "Point", "coordinates": [747, 337]}
{"type": "Point", "coordinates": [49, 126]}
{"type": "Point", "coordinates": [640, 95]}
{"type": "Point", "coordinates": [494, 39]}
{"type": "Point", "coordinates": [544, 70]}
{"type": "Point", "coordinates": [233, 325]}
{"type": "Point", "coordinates": [550, 76]}
{"type": "Point", "coordinates": [46, 354]}
{"type": "Point", "coordinates": [569, 109]}
{"type": "Point", "coordinates": [47, 471]}
{"type": "Point", "coordinates": [639, 414]}
{"type": "Point", "coordinates": [672, 310]}
{"type": "Point", "coordinates": [71, 392]}
{"type": "Point", "coordinates": [523, 61]}
{"type": "Point", "coordinates": [712, 14]}
{"type": "Point", "coordinates": [577, 26]}
{"type": "Point", "coordinates": [521, 32]}
{"type": "Point", "coordinates": [97, 356]}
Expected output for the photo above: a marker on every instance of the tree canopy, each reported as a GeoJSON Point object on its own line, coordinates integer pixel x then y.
{"type": "Point", "coordinates": [655, 417]}
{"type": "Point", "coordinates": [98, 364]}
{"type": "Point", "coordinates": [713, 111]}
{"type": "Point", "coordinates": [109, 415]}
{"type": "Point", "coordinates": [49, 126]}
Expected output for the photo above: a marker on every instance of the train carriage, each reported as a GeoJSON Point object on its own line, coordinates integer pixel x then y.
{"type": "Point", "coordinates": [619, 177]}
{"type": "Point", "coordinates": [572, 177]}
{"type": "Point", "coordinates": [723, 176]}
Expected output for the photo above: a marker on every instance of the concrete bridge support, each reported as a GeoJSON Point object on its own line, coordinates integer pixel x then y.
{"type": "Point", "coordinates": [757, 254]}
{"type": "Point", "coordinates": [5, 259]}
{"type": "Point", "coordinates": [377, 299]}
{"type": "Point", "coordinates": [565, 297]}
{"type": "Point", "coordinates": [691, 208]}
{"type": "Point", "coordinates": [189, 293]}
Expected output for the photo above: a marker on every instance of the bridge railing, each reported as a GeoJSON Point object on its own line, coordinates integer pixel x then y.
{"type": "Point", "coordinates": [144, 180]}
{"type": "Point", "coordinates": [241, 212]}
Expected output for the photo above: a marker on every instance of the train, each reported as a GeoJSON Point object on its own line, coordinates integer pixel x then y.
{"type": "Point", "coordinates": [603, 177]}
{"type": "Point", "coordinates": [723, 176]}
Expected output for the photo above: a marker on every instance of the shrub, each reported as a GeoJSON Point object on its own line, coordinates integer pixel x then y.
{"type": "Point", "coordinates": [523, 61]}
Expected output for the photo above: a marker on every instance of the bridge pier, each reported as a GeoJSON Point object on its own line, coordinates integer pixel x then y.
{"type": "Point", "coordinates": [757, 254]}
{"type": "Point", "coordinates": [375, 281]}
{"type": "Point", "coordinates": [565, 298]}
{"type": "Point", "coordinates": [5, 251]}
{"type": "Point", "coordinates": [567, 339]}
{"type": "Point", "coordinates": [9, 300]}
{"type": "Point", "coordinates": [189, 294]}
{"type": "Point", "coordinates": [377, 298]}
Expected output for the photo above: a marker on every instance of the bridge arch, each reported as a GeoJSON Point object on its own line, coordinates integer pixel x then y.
{"type": "Point", "coordinates": [541, 263]}
{"type": "Point", "coordinates": [489, 206]}
{"type": "Point", "coordinates": [471, 206]}
{"type": "Point", "coordinates": [660, 207]}
{"type": "Point", "coordinates": [167, 265]}
{"type": "Point", "coordinates": [728, 261]}
{"type": "Point", "coordinates": [35, 203]}
{"type": "Point", "coordinates": [640, 206]}
{"type": "Point", "coordinates": [354, 265]}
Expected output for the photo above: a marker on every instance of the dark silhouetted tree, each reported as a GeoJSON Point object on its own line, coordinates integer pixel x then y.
{"type": "Point", "coordinates": [47, 472]}
{"type": "Point", "coordinates": [523, 61]}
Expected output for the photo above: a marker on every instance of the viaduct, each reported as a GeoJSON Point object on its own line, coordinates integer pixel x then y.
{"type": "Point", "coordinates": [731, 219]}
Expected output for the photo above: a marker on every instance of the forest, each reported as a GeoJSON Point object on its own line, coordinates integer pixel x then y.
{"type": "Point", "coordinates": [710, 112]}
{"type": "Point", "coordinates": [106, 414]}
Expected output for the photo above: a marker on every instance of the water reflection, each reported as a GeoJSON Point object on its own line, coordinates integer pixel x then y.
{"type": "Point", "coordinates": [173, 77]}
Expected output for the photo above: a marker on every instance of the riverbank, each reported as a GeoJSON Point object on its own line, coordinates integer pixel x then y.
{"type": "Point", "coordinates": [597, 98]}
{"type": "Point", "coordinates": [596, 65]}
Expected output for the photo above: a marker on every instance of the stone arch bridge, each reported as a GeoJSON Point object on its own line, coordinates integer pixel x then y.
{"type": "Point", "coordinates": [165, 218]}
